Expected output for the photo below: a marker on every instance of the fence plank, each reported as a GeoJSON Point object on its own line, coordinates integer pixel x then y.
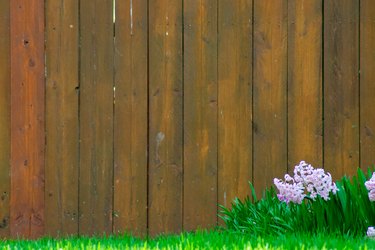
{"type": "Point", "coordinates": [96, 117]}
{"type": "Point", "coordinates": [235, 99]}
{"type": "Point", "coordinates": [5, 117]}
{"type": "Point", "coordinates": [270, 91]}
{"type": "Point", "coordinates": [341, 87]}
{"type": "Point", "coordinates": [200, 114]}
{"type": "Point", "coordinates": [27, 119]}
{"type": "Point", "coordinates": [130, 192]}
{"type": "Point", "coordinates": [305, 128]}
{"type": "Point", "coordinates": [61, 191]}
{"type": "Point", "coordinates": [165, 116]}
{"type": "Point", "coordinates": [367, 79]}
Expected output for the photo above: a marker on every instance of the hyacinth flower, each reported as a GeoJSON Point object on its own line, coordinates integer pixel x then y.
{"type": "Point", "coordinates": [370, 185]}
{"type": "Point", "coordinates": [371, 232]}
{"type": "Point", "coordinates": [307, 182]}
{"type": "Point", "coordinates": [289, 191]}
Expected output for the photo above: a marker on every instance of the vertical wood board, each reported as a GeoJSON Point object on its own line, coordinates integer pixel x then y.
{"type": "Point", "coordinates": [96, 117]}
{"type": "Point", "coordinates": [341, 87]}
{"type": "Point", "coordinates": [234, 99]}
{"type": "Point", "coordinates": [165, 117]}
{"type": "Point", "coordinates": [62, 131]}
{"type": "Point", "coordinates": [200, 114]}
{"type": "Point", "coordinates": [5, 117]}
{"type": "Point", "coordinates": [367, 83]}
{"type": "Point", "coordinates": [130, 127]}
{"type": "Point", "coordinates": [27, 118]}
{"type": "Point", "coordinates": [305, 109]}
{"type": "Point", "coordinates": [269, 92]}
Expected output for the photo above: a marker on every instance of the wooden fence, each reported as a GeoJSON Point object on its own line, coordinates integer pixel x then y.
{"type": "Point", "coordinates": [146, 121]}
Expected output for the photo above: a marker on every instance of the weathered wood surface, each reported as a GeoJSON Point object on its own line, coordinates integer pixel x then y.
{"type": "Point", "coordinates": [27, 118]}
{"type": "Point", "coordinates": [130, 124]}
{"type": "Point", "coordinates": [5, 117]}
{"type": "Point", "coordinates": [341, 87]}
{"type": "Point", "coordinates": [96, 117]}
{"type": "Point", "coordinates": [200, 114]}
{"type": "Point", "coordinates": [62, 121]}
{"type": "Point", "coordinates": [305, 103]}
{"type": "Point", "coordinates": [367, 83]}
{"type": "Point", "coordinates": [235, 58]}
{"type": "Point", "coordinates": [270, 92]}
{"type": "Point", "coordinates": [165, 117]}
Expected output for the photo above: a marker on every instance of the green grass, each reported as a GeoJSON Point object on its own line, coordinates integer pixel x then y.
{"type": "Point", "coordinates": [201, 240]}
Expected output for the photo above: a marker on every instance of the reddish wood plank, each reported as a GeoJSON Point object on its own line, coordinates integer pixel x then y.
{"type": "Point", "coordinates": [5, 117]}
{"type": "Point", "coordinates": [367, 81]}
{"type": "Point", "coordinates": [96, 117]}
{"type": "Point", "coordinates": [27, 118]}
{"type": "Point", "coordinates": [235, 99]}
{"type": "Point", "coordinates": [62, 134]}
{"type": "Point", "coordinates": [305, 121]}
{"type": "Point", "coordinates": [165, 116]}
{"type": "Point", "coordinates": [200, 114]}
{"type": "Point", "coordinates": [341, 87]}
{"type": "Point", "coordinates": [130, 186]}
{"type": "Point", "coordinates": [269, 92]}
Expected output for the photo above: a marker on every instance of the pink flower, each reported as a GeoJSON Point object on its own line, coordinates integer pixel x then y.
{"type": "Point", "coordinates": [306, 178]}
{"type": "Point", "coordinates": [370, 185]}
{"type": "Point", "coordinates": [371, 232]}
{"type": "Point", "coordinates": [289, 191]}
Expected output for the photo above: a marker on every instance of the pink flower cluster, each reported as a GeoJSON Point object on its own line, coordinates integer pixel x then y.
{"type": "Point", "coordinates": [307, 181]}
{"type": "Point", "coordinates": [371, 232]}
{"type": "Point", "coordinates": [370, 185]}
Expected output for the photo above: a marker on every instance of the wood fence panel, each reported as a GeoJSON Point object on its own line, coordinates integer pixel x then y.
{"type": "Point", "coordinates": [367, 81]}
{"type": "Point", "coordinates": [62, 132]}
{"type": "Point", "coordinates": [5, 117]}
{"type": "Point", "coordinates": [96, 117]}
{"type": "Point", "coordinates": [27, 118]}
{"type": "Point", "coordinates": [200, 114]}
{"type": "Point", "coordinates": [305, 123]}
{"type": "Point", "coordinates": [130, 128]}
{"type": "Point", "coordinates": [165, 116]}
{"type": "Point", "coordinates": [235, 99]}
{"type": "Point", "coordinates": [341, 87]}
{"type": "Point", "coordinates": [270, 92]}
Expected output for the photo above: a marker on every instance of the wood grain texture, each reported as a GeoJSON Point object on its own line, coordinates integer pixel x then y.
{"type": "Point", "coordinates": [235, 99]}
{"type": "Point", "coordinates": [5, 117]}
{"type": "Point", "coordinates": [27, 118]}
{"type": "Point", "coordinates": [96, 117]}
{"type": "Point", "coordinates": [130, 128]}
{"type": "Point", "coordinates": [200, 114]}
{"type": "Point", "coordinates": [165, 116]}
{"type": "Point", "coordinates": [367, 83]}
{"type": "Point", "coordinates": [62, 132]}
{"type": "Point", "coordinates": [270, 92]}
{"type": "Point", "coordinates": [305, 123]}
{"type": "Point", "coordinates": [341, 87]}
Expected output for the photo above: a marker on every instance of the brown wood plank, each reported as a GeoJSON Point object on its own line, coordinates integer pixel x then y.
{"type": "Point", "coordinates": [130, 186]}
{"type": "Point", "coordinates": [165, 116]}
{"type": "Point", "coordinates": [235, 99]}
{"type": "Point", "coordinates": [5, 117]}
{"type": "Point", "coordinates": [96, 117]}
{"type": "Point", "coordinates": [200, 114]}
{"type": "Point", "coordinates": [62, 134]}
{"type": "Point", "coordinates": [269, 92]}
{"type": "Point", "coordinates": [305, 121]}
{"type": "Point", "coordinates": [367, 81]}
{"type": "Point", "coordinates": [341, 87]}
{"type": "Point", "coordinates": [27, 118]}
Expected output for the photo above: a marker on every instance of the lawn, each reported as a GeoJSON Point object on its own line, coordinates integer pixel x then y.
{"type": "Point", "coordinates": [202, 240]}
